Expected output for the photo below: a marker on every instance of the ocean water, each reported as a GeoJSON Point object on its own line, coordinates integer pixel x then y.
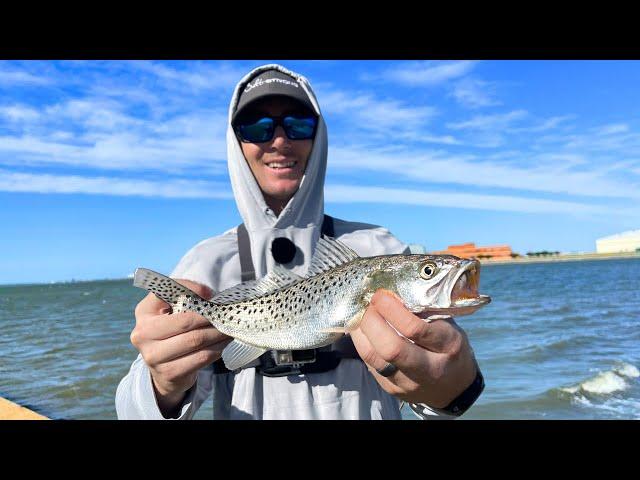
{"type": "Point", "coordinates": [558, 341]}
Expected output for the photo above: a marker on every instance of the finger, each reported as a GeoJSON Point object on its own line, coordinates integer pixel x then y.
{"type": "Point", "coordinates": [202, 290]}
{"type": "Point", "coordinates": [160, 327]}
{"type": "Point", "coordinates": [151, 305]}
{"type": "Point", "coordinates": [179, 345]}
{"type": "Point", "coordinates": [366, 351]}
{"type": "Point", "coordinates": [397, 383]}
{"type": "Point", "coordinates": [388, 344]}
{"type": "Point", "coordinates": [180, 367]}
{"type": "Point", "coordinates": [439, 336]}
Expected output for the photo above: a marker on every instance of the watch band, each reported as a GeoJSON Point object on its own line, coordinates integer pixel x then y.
{"type": "Point", "coordinates": [458, 406]}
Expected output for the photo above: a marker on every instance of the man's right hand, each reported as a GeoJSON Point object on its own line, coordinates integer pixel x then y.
{"type": "Point", "coordinates": [175, 346]}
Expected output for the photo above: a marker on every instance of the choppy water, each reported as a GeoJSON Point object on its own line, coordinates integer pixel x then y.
{"type": "Point", "coordinates": [559, 341]}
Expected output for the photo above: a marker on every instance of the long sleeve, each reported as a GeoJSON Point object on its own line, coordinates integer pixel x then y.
{"type": "Point", "coordinates": [136, 400]}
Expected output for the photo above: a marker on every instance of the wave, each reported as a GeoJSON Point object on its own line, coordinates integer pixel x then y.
{"type": "Point", "coordinates": [605, 383]}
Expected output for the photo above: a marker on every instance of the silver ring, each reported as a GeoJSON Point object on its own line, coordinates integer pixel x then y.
{"type": "Point", "coordinates": [388, 370]}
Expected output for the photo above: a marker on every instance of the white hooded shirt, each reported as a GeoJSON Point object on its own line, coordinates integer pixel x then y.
{"type": "Point", "coordinates": [347, 392]}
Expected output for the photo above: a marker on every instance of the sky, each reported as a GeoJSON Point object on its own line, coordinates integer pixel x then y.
{"type": "Point", "coordinates": [106, 166]}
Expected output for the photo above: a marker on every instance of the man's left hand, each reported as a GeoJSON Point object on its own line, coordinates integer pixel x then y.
{"type": "Point", "coordinates": [433, 370]}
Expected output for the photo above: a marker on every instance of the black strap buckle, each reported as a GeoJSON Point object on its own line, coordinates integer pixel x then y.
{"type": "Point", "coordinates": [279, 363]}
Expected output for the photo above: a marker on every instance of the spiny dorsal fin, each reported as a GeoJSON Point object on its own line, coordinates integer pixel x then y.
{"type": "Point", "coordinates": [278, 278]}
{"type": "Point", "coordinates": [329, 254]}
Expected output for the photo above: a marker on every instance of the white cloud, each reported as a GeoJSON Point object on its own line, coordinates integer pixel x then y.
{"type": "Point", "coordinates": [66, 184]}
{"type": "Point", "coordinates": [545, 125]}
{"type": "Point", "coordinates": [547, 174]}
{"type": "Point", "coordinates": [19, 113]}
{"type": "Point", "coordinates": [10, 78]}
{"type": "Point", "coordinates": [490, 122]}
{"type": "Point", "coordinates": [474, 93]}
{"type": "Point", "coordinates": [355, 193]}
{"type": "Point", "coordinates": [196, 76]}
{"type": "Point", "coordinates": [429, 73]}
{"type": "Point", "coordinates": [612, 129]}
{"type": "Point", "coordinates": [340, 193]}
{"type": "Point", "coordinates": [124, 151]}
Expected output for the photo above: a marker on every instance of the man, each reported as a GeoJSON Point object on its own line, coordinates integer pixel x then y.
{"type": "Point", "coordinates": [277, 155]}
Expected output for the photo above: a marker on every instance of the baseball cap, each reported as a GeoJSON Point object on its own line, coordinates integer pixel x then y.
{"type": "Point", "coordinates": [272, 83]}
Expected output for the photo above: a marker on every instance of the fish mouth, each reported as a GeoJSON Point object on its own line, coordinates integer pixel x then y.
{"type": "Point", "coordinates": [462, 293]}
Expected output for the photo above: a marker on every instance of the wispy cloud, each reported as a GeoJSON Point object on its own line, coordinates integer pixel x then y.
{"type": "Point", "coordinates": [100, 133]}
{"type": "Point", "coordinates": [381, 195]}
{"type": "Point", "coordinates": [195, 76]}
{"type": "Point", "coordinates": [338, 193]}
{"type": "Point", "coordinates": [612, 129]}
{"type": "Point", "coordinates": [474, 93]}
{"type": "Point", "coordinates": [19, 113]}
{"type": "Point", "coordinates": [12, 77]}
{"type": "Point", "coordinates": [546, 175]}
{"type": "Point", "coordinates": [428, 73]}
{"type": "Point", "coordinates": [498, 121]}
{"type": "Point", "coordinates": [68, 184]}
{"type": "Point", "coordinates": [369, 113]}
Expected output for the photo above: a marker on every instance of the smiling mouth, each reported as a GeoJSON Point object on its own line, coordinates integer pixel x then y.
{"type": "Point", "coordinates": [281, 165]}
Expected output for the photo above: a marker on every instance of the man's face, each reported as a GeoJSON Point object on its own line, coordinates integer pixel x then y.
{"type": "Point", "coordinates": [278, 164]}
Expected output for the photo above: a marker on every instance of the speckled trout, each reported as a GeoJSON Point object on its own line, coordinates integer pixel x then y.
{"type": "Point", "coordinates": [284, 311]}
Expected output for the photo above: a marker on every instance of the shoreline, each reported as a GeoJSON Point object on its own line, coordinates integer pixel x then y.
{"type": "Point", "coordinates": [483, 261]}
{"type": "Point", "coordinates": [562, 258]}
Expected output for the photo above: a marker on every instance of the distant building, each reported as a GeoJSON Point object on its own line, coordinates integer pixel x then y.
{"type": "Point", "coordinates": [621, 242]}
{"type": "Point", "coordinates": [469, 250]}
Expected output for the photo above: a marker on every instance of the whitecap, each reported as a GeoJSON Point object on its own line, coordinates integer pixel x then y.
{"type": "Point", "coordinates": [604, 383]}
{"type": "Point", "coordinates": [627, 370]}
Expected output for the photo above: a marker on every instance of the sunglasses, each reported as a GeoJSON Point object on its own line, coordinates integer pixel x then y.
{"type": "Point", "coordinates": [261, 129]}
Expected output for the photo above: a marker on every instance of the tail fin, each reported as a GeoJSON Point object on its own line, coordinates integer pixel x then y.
{"type": "Point", "coordinates": [163, 287]}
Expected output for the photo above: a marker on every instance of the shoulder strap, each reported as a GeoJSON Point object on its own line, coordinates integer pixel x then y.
{"type": "Point", "coordinates": [244, 250]}
{"type": "Point", "coordinates": [327, 227]}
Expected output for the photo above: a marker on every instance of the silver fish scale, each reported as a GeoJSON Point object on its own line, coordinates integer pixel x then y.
{"type": "Point", "coordinates": [293, 317]}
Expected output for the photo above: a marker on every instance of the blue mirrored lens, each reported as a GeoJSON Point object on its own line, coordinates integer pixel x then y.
{"type": "Point", "coordinates": [260, 131]}
{"type": "Point", "coordinates": [298, 128]}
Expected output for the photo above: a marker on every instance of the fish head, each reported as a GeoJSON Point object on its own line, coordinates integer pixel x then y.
{"type": "Point", "coordinates": [436, 284]}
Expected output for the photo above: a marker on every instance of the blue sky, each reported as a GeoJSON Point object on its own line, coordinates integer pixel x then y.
{"type": "Point", "coordinates": [110, 165]}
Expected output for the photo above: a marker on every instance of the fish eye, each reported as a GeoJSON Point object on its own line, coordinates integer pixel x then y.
{"type": "Point", "coordinates": [428, 270]}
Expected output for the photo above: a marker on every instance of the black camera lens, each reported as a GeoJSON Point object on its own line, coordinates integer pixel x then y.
{"type": "Point", "coordinates": [283, 250]}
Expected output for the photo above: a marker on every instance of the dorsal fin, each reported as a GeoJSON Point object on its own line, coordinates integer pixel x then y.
{"type": "Point", "coordinates": [329, 254]}
{"type": "Point", "coordinates": [277, 278]}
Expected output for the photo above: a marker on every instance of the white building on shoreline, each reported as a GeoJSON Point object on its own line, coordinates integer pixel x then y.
{"type": "Point", "coordinates": [621, 242]}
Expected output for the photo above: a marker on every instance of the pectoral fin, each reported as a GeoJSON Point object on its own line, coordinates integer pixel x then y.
{"type": "Point", "coordinates": [237, 354]}
{"type": "Point", "coordinates": [354, 322]}
{"type": "Point", "coordinates": [334, 330]}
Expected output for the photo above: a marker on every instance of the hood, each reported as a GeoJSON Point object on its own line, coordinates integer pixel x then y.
{"type": "Point", "coordinates": [301, 218]}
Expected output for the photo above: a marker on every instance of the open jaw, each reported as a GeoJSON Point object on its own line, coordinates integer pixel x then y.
{"type": "Point", "coordinates": [461, 293]}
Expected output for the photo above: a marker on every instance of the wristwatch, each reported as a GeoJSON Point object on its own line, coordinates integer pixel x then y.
{"type": "Point", "coordinates": [458, 406]}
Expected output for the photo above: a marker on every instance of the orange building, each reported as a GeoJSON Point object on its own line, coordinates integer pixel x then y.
{"type": "Point", "coordinates": [469, 250]}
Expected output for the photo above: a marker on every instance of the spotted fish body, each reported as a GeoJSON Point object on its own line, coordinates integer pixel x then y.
{"type": "Point", "coordinates": [284, 311]}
